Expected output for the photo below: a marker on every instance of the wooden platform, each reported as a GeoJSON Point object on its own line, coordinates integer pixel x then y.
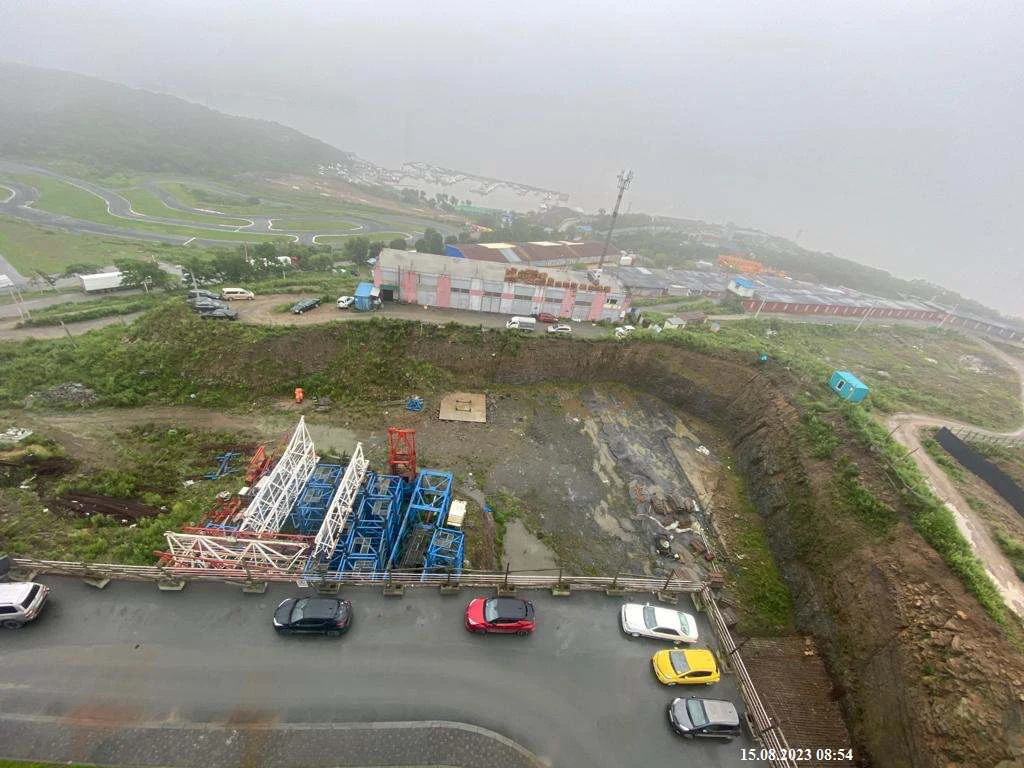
{"type": "Point", "coordinates": [464, 406]}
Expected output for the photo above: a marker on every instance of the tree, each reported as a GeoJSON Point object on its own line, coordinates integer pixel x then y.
{"type": "Point", "coordinates": [431, 242]}
{"type": "Point", "coordinates": [356, 248]}
{"type": "Point", "coordinates": [137, 274]}
{"type": "Point", "coordinates": [451, 239]}
{"type": "Point", "coordinates": [398, 244]}
{"type": "Point", "coordinates": [80, 269]}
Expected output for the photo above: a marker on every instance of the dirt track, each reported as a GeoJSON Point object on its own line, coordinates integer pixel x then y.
{"type": "Point", "coordinates": [906, 430]}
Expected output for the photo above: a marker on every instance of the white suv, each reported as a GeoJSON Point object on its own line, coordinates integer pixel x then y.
{"type": "Point", "coordinates": [20, 602]}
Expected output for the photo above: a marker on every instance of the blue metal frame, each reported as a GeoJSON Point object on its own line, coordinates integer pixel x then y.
{"type": "Point", "coordinates": [428, 506]}
{"type": "Point", "coordinates": [223, 466]}
{"type": "Point", "coordinates": [445, 553]}
{"type": "Point", "coordinates": [308, 512]}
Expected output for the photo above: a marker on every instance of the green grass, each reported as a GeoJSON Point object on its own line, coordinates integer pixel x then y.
{"type": "Point", "coordinates": [313, 225]}
{"type": "Point", "coordinates": [373, 237]}
{"type": "Point", "coordinates": [1012, 548]}
{"type": "Point", "coordinates": [949, 465]}
{"type": "Point", "coordinates": [145, 202]}
{"type": "Point", "coordinates": [20, 764]}
{"type": "Point", "coordinates": [59, 197]}
{"type": "Point", "coordinates": [893, 362]}
{"type": "Point", "coordinates": [76, 312]}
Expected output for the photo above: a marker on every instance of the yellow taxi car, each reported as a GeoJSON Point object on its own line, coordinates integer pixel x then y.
{"type": "Point", "coordinates": [688, 666]}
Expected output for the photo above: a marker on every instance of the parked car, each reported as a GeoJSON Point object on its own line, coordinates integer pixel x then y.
{"type": "Point", "coordinates": [344, 302]}
{"type": "Point", "coordinates": [304, 305]}
{"type": "Point", "coordinates": [329, 616]}
{"type": "Point", "coordinates": [547, 317]}
{"type": "Point", "coordinates": [623, 331]}
{"type": "Point", "coordinates": [563, 329]}
{"type": "Point", "coordinates": [220, 313]}
{"type": "Point", "coordinates": [207, 305]}
{"type": "Point", "coordinates": [506, 615]}
{"type": "Point", "coordinates": [660, 623]}
{"type": "Point", "coordinates": [235, 294]}
{"type": "Point", "coordinates": [199, 293]}
{"type": "Point", "coordinates": [709, 718]}
{"type": "Point", "coordinates": [21, 602]}
{"type": "Point", "coordinates": [521, 324]}
{"type": "Point", "coordinates": [686, 666]}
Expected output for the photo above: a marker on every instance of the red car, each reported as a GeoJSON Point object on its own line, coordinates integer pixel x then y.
{"type": "Point", "coordinates": [547, 317]}
{"type": "Point", "coordinates": [508, 615]}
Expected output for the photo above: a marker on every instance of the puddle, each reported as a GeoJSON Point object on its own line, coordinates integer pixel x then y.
{"type": "Point", "coordinates": [328, 438]}
{"type": "Point", "coordinates": [525, 551]}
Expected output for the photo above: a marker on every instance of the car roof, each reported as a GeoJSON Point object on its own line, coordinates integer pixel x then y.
{"type": "Point", "coordinates": [509, 607]}
{"type": "Point", "coordinates": [320, 608]}
{"type": "Point", "coordinates": [668, 617]}
{"type": "Point", "coordinates": [721, 712]}
{"type": "Point", "coordinates": [699, 659]}
{"type": "Point", "coordinates": [15, 593]}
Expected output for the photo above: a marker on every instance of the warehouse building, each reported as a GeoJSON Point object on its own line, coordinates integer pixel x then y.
{"type": "Point", "coordinates": [486, 286]}
{"type": "Point", "coordinates": [563, 253]}
{"type": "Point", "coordinates": [780, 294]}
{"type": "Point", "coordinates": [645, 281]}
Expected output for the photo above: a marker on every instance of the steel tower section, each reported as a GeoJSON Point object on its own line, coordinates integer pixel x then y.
{"type": "Point", "coordinates": [236, 551]}
{"type": "Point", "coordinates": [281, 488]}
{"type": "Point", "coordinates": [329, 535]}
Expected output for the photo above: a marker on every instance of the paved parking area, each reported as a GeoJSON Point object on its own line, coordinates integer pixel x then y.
{"type": "Point", "coordinates": [205, 663]}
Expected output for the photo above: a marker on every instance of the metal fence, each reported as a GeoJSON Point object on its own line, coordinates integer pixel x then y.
{"type": "Point", "coordinates": [969, 435]}
{"type": "Point", "coordinates": [765, 729]}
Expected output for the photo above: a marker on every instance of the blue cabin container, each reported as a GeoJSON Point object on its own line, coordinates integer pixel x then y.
{"type": "Point", "coordinates": [365, 297]}
{"type": "Point", "coordinates": [848, 386]}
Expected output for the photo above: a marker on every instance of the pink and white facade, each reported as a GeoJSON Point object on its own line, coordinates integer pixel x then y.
{"type": "Point", "coordinates": [458, 283]}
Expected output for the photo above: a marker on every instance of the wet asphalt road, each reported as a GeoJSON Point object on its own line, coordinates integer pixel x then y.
{"type": "Point", "coordinates": [576, 693]}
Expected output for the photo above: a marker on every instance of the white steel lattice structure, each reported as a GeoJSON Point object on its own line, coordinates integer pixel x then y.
{"type": "Point", "coordinates": [235, 552]}
{"type": "Point", "coordinates": [274, 500]}
{"type": "Point", "coordinates": [341, 506]}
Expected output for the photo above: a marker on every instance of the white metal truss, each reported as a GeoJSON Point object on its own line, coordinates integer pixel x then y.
{"type": "Point", "coordinates": [190, 550]}
{"type": "Point", "coordinates": [274, 500]}
{"type": "Point", "coordinates": [341, 506]}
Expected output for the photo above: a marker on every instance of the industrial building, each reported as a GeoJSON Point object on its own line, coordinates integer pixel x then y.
{"type": "Point", "coordinates": [562, 253]}
{"type": "Point", "coordinates": [780, 294]}
{"type": "Point", "coordinates": [490, 286]}
{"type": "Point", "coordinates": [645, 281]}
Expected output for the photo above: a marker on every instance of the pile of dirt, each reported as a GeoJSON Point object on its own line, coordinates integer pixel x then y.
{"type": "Point", "coordinates": [84, 505]}
{"type": "Point", "coordinates": [72, 393]}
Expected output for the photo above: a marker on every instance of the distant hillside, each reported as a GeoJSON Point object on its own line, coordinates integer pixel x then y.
{"type": "Point", "coordinates": [46, 115]}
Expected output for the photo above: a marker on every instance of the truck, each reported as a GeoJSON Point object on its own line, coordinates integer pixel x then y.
{"type": "Point", "coordinates": [522, 324]}
{"type": "Point", "coordinates": [102, 281]}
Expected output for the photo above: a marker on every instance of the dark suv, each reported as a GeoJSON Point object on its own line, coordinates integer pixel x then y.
{"type": "Point", "coordinates": [304, 306]}
{"type": "Point", "coordinates": [329, 616]}
{"type": "Point", "coordinates": [199, 293]}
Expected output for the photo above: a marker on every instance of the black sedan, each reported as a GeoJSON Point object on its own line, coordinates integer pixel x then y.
{"type": "Point", "coordinates": [220, 313]}
{"type": "Point", "coordinates": [329, 616]}
{"type": "Point", "coordinates": [304, 306]}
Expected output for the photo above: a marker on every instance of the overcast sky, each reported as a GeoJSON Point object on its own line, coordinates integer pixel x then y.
{"type": "Point", "coordinates": [889, 135]}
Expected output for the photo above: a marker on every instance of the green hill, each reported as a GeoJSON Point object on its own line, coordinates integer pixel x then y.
{"type": "Point", "coordinates": [51, 115]}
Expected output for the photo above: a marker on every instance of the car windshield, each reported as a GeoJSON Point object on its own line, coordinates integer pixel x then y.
{"type": "Point", "coordinates": [299, 608]}
{"type": "Point", "coordinates": [678, 660]}
{"type": "Point", "coordinates": [649, 620]}
{"type": "Point", "coordinates": [695, 709]}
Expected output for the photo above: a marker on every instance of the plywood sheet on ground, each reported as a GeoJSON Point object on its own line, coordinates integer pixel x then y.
{"type": "Point", "coordinates": [464, 406]}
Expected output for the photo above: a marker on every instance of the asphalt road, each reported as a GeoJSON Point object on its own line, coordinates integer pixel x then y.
{"type": "Point", "coordinates": [20, 206]}
{"type": "Point", "coordinates": [576, 693]}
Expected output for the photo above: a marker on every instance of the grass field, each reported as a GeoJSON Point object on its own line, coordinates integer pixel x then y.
{"type": "Point", "coordinates": [145, 202]}
{"type": "Point", "coordinates": [924, 370]}
{"type": "Point", "coordinates": [59, 197]}
{"type": "Point", "coordinates": [31, 249]}
{"type": "Point", "coordinates": [373, 237]}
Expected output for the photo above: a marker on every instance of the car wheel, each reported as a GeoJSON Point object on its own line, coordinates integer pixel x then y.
{"type": "Point", "coordinates": [333, 633]}
{"type": "Point", "coordinates": [12, 624]}
{"type": "Point", "coordinates": [480, 631]}
{"type": "Point", "coordinates": [522, 633]}
{"type": "Point", "coordinates": [669, 683]}
{"type": "Point", "coordinates": [283, 631]}
{"type": "Point", "coordinates": [635, 634]}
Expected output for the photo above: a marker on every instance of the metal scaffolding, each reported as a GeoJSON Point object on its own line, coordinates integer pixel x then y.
{"type": "Point", "coordinates": [308, 513]}
{"type": "Point", "coordinates": [428, 505]}
{"type": "Point", "coordinates": [237, 550]}
{"type": "Point", "coordinates": [337, 514]}
{"type": "Point", "coordinates": [367, 541]}
{"type": "Point", "coordinates": [280, 489]}
{"type": "Point", "coordinates": [445, 553]}
{"type": "Point", "coordinates": [402, 452]}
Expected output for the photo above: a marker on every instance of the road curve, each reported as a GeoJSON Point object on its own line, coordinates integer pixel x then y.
{"type": "Point", "coordinates": [906, 428]}
{"type": "Point", "coordinates": [19, 204]}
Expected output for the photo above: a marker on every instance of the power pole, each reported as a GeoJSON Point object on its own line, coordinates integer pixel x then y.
{"type": "Point", "coordinates": [625, 177]}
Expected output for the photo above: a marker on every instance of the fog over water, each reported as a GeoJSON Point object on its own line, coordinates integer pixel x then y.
{"type": "Point", "coordinates": [889, 135]}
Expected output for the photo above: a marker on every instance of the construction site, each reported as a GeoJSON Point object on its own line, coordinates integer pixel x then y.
{"type": "Point", "coordinates": [298, 516]}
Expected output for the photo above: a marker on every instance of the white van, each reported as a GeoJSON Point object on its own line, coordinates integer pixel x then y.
{"type": "Point", "coordinates": [232, 294]}
{"type": "Point", "coordinates": [521, 324]}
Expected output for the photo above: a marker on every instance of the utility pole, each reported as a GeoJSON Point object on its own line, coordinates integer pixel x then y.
{"type": "Point", "coordinates": [625, 178]}
{"type": "Point", "coordinates": [863, 318]}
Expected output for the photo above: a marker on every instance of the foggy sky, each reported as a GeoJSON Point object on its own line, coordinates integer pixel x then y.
{"type": "Point", "coordinates": [891, 136]}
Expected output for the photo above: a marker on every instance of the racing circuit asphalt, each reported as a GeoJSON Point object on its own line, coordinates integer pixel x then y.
{"type": "Point", "coordinates": [205, 663]}
{"type": "Point", "coordinates": [20, 206]}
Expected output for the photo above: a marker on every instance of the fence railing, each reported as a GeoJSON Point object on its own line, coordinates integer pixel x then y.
{"type": "Point", "coordinates": [969, 435]}
{"type": "Point", "coordinates": [766, 730]}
